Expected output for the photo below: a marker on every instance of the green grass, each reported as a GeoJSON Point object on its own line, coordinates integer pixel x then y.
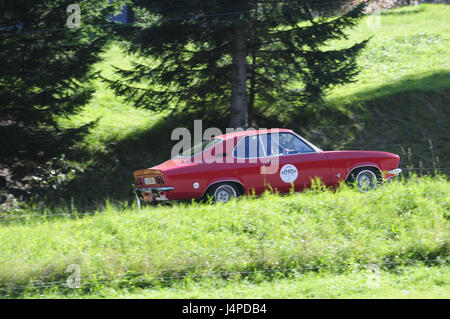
{"type": "Point", "coordinates": [404, 282]}
{"type": "Point", "coordinates": [399, 102]}
{"type": "Point", "coordinates": [403, 223]}
{"type": "Point", "coordinates": [409, 43]}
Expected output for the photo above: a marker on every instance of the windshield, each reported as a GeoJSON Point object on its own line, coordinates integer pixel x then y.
{"type": "Point", "coordinates": [198, 148]}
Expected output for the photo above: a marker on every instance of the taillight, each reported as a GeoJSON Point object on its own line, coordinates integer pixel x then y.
{"type": "Point", "coordinates": [149, 180]}
{"type": "Point", "coordinates": [160, 179]}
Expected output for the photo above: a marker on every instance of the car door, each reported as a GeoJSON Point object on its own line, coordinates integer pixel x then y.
{"type": "Point", "coordinates": [247, 164]}
{"type": "Point", "coordinates": [298, 163]}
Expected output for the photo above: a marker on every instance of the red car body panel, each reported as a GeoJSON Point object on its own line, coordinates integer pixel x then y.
{"type": "Point", "coordinates": [331, 167]}
{"type": "Point", "coordinates": [343, 162]}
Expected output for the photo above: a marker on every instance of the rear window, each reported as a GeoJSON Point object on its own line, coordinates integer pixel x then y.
{"type": "Point", "coordinates": [200, 147]}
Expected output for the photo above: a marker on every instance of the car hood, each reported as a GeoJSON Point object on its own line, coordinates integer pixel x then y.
{"type": "Point", "coordinates": [357, 153]}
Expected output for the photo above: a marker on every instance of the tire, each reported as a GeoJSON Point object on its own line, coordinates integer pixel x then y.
{"type": "Point", "coordinates": [365, 178]}
{"type": "Point", "coordinates": [223, 192]}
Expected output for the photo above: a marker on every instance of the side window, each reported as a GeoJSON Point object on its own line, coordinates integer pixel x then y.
{"type": "Point", "coordinates": [254, 146]}
{"type": "Point", "coordinates": [239, 151]}
{"type": "Point", "coordinates": [249, 147]}
{"type": "Point", "coordinates": [271, 145]}
{"type": "Point", "coordinates": [293, 145]}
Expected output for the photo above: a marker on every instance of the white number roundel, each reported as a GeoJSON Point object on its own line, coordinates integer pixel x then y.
{"type": "Point", "coordinates": [288, 173]}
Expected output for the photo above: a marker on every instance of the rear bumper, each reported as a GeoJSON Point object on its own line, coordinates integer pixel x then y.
{"type": "Point", "coordinates": [155, 190]}
{"type": "Point", "coordinates": [150, 194]}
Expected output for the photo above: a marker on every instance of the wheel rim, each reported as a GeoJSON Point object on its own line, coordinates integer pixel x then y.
{"type": "Point", "coordinates": [224, 193]}
{"type": "Point", "coordinates": [366, 180]}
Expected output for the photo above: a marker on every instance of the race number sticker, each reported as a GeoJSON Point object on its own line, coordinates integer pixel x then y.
{"type": "Point", "coordinates": [288, 173]}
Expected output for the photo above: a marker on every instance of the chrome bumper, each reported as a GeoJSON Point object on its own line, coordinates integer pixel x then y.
{"type": "Point", "coordinates": [395, 171]}
{"type": "Point", "coordinates": [154, 190]}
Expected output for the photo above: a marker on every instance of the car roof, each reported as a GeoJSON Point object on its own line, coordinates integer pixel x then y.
{"type": "Point", "coordinates": [252, 132]}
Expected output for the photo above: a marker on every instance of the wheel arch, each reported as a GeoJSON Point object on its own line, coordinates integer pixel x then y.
{"type": "Point", "coordinates": [238, 183]}
{"type": "Point", "coordinates": [364, 165]}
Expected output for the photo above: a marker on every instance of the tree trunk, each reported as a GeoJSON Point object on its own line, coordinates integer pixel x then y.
{"type": "Point", "coordinates": [251, 99]}
{"type": "Point", "coordinates": [252, 91]}
{"type": "Point", "coordinates": [239, 100]}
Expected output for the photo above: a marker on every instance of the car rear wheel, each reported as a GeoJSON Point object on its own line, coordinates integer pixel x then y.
{"type": "Point", "coordinates": [223, 192]}
{"type": "Point", "coordinates": [366, 179]}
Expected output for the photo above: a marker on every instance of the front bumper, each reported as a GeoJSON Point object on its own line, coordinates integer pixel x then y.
{"type": "Point", "coordinates": [392, 173]}
{"type": "Point", "coordinates": [150, 194]}
{"type": "Point", "coordinates": [395, 172]}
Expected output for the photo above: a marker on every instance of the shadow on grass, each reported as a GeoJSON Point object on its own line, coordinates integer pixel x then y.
{"type": "Point", "coordinates": [402, 116]}
{"type": "Point", "coordinates": [410, 118]}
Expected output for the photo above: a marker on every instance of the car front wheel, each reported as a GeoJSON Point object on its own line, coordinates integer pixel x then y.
{"type": "Point", "coordinates": [365, 179]}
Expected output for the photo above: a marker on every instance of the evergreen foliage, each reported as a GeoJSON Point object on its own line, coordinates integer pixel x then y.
{"type": "Point", "coordinates": [252, 55]}
{"type": "Point", "coordinates": [44, 74]}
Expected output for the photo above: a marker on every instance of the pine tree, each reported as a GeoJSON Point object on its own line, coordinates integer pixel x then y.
{"type": "Point", "coordinates": [44, 72]}
{"type": "Point", "coordinates": [209, 55]}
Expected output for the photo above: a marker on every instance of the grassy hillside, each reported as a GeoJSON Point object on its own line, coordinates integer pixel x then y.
{"type": "Point", "coordinates": [249, 240]}
{"type": "Point", "coordinates": [313, 244]}
{"type": "Point", "coordinates": [401, 99]}
{"type": "Point", "coordinates": [399, 103]}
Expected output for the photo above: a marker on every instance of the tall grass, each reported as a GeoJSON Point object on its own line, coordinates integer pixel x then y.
{"type": "Point", "coordinates": [404, 282]}
{"type": "Point", "coordinates": [399, 223]}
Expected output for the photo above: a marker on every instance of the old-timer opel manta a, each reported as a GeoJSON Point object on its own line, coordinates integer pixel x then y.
{"type": "Point", "coordinates": [251, 162]}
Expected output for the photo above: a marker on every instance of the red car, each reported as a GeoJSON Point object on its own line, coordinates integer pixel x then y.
{"type": "Point", "coordinates": [251, 162]}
